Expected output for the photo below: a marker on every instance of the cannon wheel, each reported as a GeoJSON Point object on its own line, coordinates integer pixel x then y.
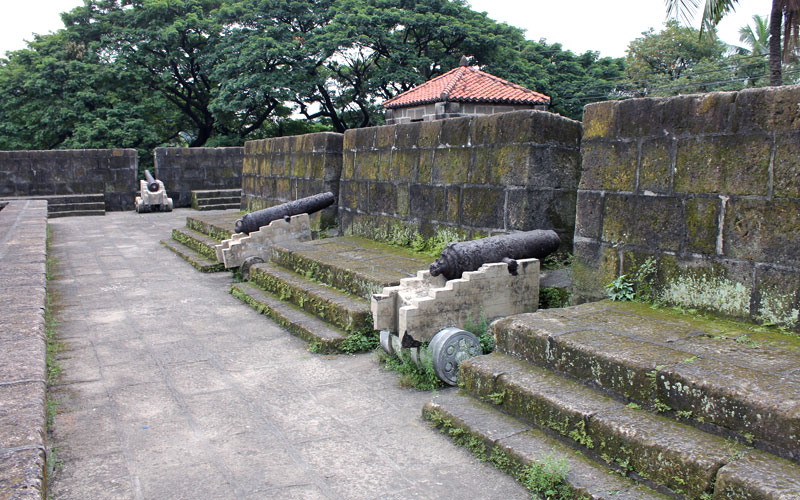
{"type": "Point", "coordinates": [449, 348]}
{"type": "Point", "coordinates": [138, 204]}
{"type": "Point", "coordinates": [247, 264]}
{"type": "Point", "coordinates": [386, 342]}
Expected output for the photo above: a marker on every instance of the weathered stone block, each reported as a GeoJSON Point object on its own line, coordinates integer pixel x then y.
{"type": "Point", "coordinates": [725, 164]}
{"type": "Point", "coordinates": [509, 165]}
{"type": "Point", "coordinates": [483, 207]}
{"type": "Point", "coordinates": [655, 171]}
{"type": "Point", "coordinates": [406, 163]}
{"type": "Point", "coordinates": [595, 265]}
{"type": "Point", "coordinates": [382, 197]}
{"type": "Point", "coordinates": [777, 296]}
{"type": "Point", "coordinates": [485, 129]}
{"type": "Point", "coordinates": [600, 120]}
{"type": "Point", "coordinates": [453, 199]}
{"type": "Point", "coordinates": [589, 215]}
{"type": "Point", "coordinates": [427, 202]}
{"type": "Point", "coordinates": [532, 208]}
{"type": "Point", "coordinates": [426, 162]}
{"type": "Point", "coordinates": [407, 135]}
{"type": "Point", "coordinates": [455, 132]}
{"type": "Point", "coordinates": [429, 133]}
{"type": "Point", "coordinates": [653, 222]}
{"type": "Point", "coordinates": [403, 200]}
{"type": "Point", "coordinates": [770, 109]}
{"type": "Point", "coordinates": [702, 224]}
{"type": "Point", "coordinates": [451, 165]}
{"type": "Point", "coordinates": [699, 114]}
{"type": "Point", "coordinates": [786, 170]}
{"type": "Point", "coordinates": [554, 167]}
{"type": "Point", "coordinates": [385, 167]}
{"type": "Point", "coordinates": [348, 167]}
{"type": "Point", "coordinates": [609, 165]}
{"type": "Point", "coordinates": [385, 136]}
{"type": "Point", "coordinates": [367, 165]}
{"type": "Point", "coordinates": [640, 117]}
{"type": "Point", "coordinates": [763, 231]}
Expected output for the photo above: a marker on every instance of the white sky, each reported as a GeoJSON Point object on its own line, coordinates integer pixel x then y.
{"type": "Point", "coordinates": [579, 25]}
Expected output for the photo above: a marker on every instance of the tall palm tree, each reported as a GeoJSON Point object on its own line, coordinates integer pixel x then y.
{"type": "Point", "coordinates": [756, 36]}
{"type": "Point", "coordinates": [784, 14]}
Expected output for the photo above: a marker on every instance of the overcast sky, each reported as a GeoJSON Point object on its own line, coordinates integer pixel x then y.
{"type": "Point", "coordinates": [579, 25]}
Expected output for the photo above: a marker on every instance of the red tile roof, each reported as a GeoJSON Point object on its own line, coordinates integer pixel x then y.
{"type": "Point", "coordinates": [466, 84]}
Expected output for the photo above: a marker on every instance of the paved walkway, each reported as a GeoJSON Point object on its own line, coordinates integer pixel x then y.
{"type": "Point", "coordinates": [172, 388]}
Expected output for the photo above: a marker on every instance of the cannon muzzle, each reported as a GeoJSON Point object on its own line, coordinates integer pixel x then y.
{"type": "Point", "coordinates": [463, 256]}
{"type": "Point", "coordinates": [252, 221]}
{"type": "Point", "coordinates": [152, 185]}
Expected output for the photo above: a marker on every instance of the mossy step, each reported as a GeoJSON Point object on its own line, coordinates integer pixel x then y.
{"type": "Point", "coordinates": [347, 312]}
{"type": "Point", "coordinates": [514, 446]}
{"type": "Point", "coordinates": [218, 226]}
{"type": "Point", "coordinates": [76, 206]}
{"type": "Point", "coordinates": [197, 260]}
{"type": "Point", "coordinates": [355, 265]}
{"type": "Point", "coordinates": [215, 193]}
{"type": "Point", "coordinates": [75, 213]}
{"type": "Point", "coordinates": [322, 336]}
{"type": "Point", "coordinates": [677, 456]}
{"type": "Point", "coordinates": [232, 200]}
{"type": "Point", "coordinates": [697, 370]}
{"type": "Point", "coordinates": [198, 242]}
{"type": "Point", "coordinates": [217, 206]}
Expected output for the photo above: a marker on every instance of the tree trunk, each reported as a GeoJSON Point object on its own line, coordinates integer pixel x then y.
{"type": "Point", "coordinates": [775, 21]}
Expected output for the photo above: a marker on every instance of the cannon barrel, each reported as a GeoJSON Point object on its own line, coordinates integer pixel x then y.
{"type": "Point", "coordinates": [152, 185]}
{"type": "Point", "coordinates": [462, 256]}
{"type": "Point", "coordinates": [252, 221]}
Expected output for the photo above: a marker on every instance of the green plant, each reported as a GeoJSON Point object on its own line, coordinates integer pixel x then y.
{"type": "Point", "coordinates": [497, 397]}
{"type": "Point", "coordinates": [359, 341]}
{"type": "Point", "coordinates": [621, 289]}
{"type": "Point", "coordinates": [481, 330]}
{"type": "Point", "coordinates": [546, 478]}
{"type": "Point", "coordinates": [557, 260]}
{"type": "Point", "coordinates": [644, 279]}
{"type": "Point", "coordinates": [634, 406]}
{"type": "Point", "coordinates": [553, 297]}
{"type": "Point", "coordinates": [422, 378]}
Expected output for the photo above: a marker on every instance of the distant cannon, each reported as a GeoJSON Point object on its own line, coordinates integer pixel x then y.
{"type": "Point", "coordinates": [252, 221]}
{"type": "Point", "coordinates": [152, 195]}
{"type": "Point", "coordinates": [458, 257]}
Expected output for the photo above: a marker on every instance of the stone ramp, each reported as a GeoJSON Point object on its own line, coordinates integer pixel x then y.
{"type": "Point", "coordinates": [692, 407]}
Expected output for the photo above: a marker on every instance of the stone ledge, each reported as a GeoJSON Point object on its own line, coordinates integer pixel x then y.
{"type": "Point", "coordinates": [23, 230]}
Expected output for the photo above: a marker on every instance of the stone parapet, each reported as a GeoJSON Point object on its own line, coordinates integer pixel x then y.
{"type": "Point", "coordinates": [708, 186]}
{"type": "Point", "coordinates": [71, 171]}
{"type": "Point", "coordinates": [23, 283]}
{"type": "Point", "coordinates": [184, 170]}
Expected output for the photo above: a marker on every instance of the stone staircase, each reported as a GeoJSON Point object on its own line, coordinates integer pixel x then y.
{"type": "Point", "coordinates": [71, 205]}
{"type": "Point", "coordinates": [195, 242]}
{"type": "Point", "coordinates": [639, 402]}
{"type": "Point", "coordinates": [319, 290]}
{"type": "Point", "coordinates": [216, 199]}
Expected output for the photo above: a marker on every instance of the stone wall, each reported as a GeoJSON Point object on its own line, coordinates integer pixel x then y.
{"type": "Point", "coordinates": [23, 237]}
{"type": "Point", "coordinates": [71, 171]}
{"type": "Point", "coordinates": [288, 168]}
{"type": "Point", "coordinates": [474, 175]}
{"type": "Point", "coordinates": [707, 185]}
{"type": "Point", "coordinates": [183, 170]}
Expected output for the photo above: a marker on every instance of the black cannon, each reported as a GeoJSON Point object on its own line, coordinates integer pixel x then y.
{"type": "Point", "coordinates": [252, 221]}
{"type": "Point", "coordinates": [462, 256]}
{"type": "Point", "coordinates": [152, 184]}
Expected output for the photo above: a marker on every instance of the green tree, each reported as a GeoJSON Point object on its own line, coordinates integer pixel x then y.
{"type": "Point", "coordinates": [784, 16]}
{"type": "Point", "coordinates": [755, 37]}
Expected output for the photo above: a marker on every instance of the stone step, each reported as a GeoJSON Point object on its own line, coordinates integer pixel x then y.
{"type": "Point", "coordinates": [676, 456]}
{"type": "Point", "coordinates": [200, 194]}
{"type": "Point", "coordinates": [354, 265]}
{"type": "Point", "coordinates": [228, 200]}
{"type": "Point", "coordinates": [710, 373]}
{"type": "Point", "coordinates": [321, 336]}
{"type": "Point", "coordinates": [198, 242]}
{"type": "Point", "coordinates": [62, 199]}
{"type": "Point", "coordinates": [217, 206]}
{"type": "Point", "coordinates": [75, 213]}
{"type": "Point", "coordinates": [94, 206]}
{"type": "Point", "coordinates": [347, 312]}
{"type": "Point", "coordinates": [515, 447]}
{"type": "Point", "coordinates": [218, 226]}
{"type": "Point", "coordinates": [197, 260]}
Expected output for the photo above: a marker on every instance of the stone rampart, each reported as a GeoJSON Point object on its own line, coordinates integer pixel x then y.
{"type": "Point", "coordinates": [474, 175]}
{"type": "Point", "coordinates": [71, 171]}
{"type": "Point", "coordinates": [183, 170]}
{"type": "Point", "coordinates": [284, 169]}
{"type": "Point", "coordinates": [708, 186]}
{"type": "Point", "coordinates": [23, 237]}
